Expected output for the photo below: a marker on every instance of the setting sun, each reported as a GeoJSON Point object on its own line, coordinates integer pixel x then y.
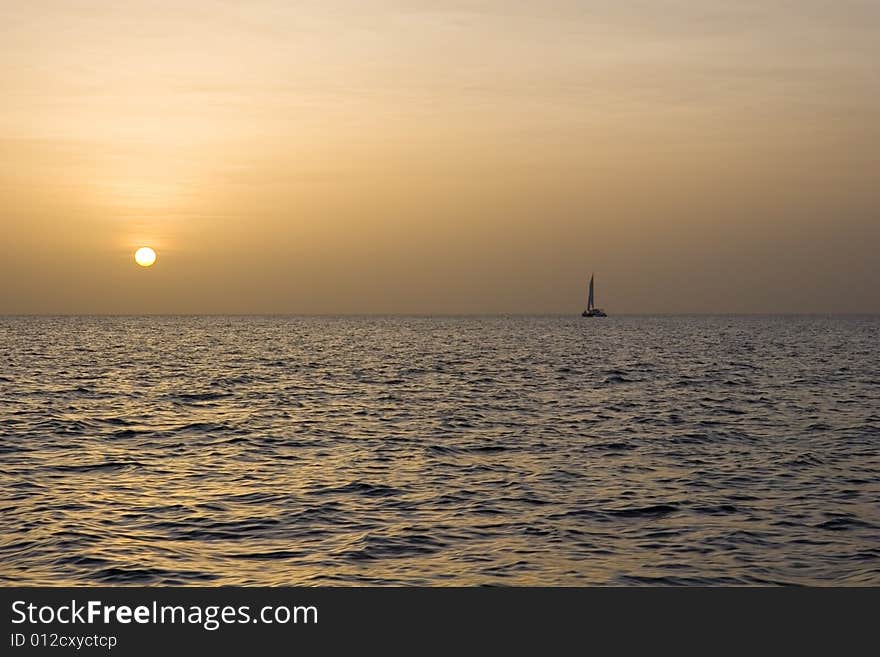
{"type": "Point", "coordinates": [145, 256]}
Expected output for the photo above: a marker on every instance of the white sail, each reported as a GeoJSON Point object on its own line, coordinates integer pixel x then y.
{"type": "Point", "coordinates": [592, 310]}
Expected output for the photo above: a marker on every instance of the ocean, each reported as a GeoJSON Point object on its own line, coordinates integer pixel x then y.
{"type": "Point", "coordinates": [635, 450]}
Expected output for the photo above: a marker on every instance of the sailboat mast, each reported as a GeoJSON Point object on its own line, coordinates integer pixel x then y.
{"type": "Point", "coordinates": [590, 303]}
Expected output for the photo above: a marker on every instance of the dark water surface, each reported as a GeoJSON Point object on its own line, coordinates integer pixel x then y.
{"type": "Point", "coordinates": [392, 450]}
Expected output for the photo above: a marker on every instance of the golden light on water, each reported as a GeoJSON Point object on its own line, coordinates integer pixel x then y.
{"type": "Point", "coordinates": [145, 256]}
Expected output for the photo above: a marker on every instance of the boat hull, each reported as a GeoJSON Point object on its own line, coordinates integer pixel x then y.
{"type": "Point", "coordinates": [595, 312]}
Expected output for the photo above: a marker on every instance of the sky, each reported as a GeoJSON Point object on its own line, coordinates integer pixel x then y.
{"type": "Point", "coordinates": [379, 156]}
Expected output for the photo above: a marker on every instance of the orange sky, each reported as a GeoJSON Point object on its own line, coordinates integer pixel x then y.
{"type": "Point", "coordinates": [440, 157]}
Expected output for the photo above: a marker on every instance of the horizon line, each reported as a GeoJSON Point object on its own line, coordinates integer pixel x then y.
{"type": "Point", "coordinates": [451, 314]}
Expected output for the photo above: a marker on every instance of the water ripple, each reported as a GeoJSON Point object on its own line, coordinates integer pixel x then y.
{"type": "Point", "coordinates": [395, 451]}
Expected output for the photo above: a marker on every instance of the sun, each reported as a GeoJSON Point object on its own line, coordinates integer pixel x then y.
{"type": "Point", "coordinates": [145, 256]}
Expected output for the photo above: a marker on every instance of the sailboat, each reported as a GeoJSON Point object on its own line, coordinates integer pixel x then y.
{"type": "Point", "coordinates": [591, 310]}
